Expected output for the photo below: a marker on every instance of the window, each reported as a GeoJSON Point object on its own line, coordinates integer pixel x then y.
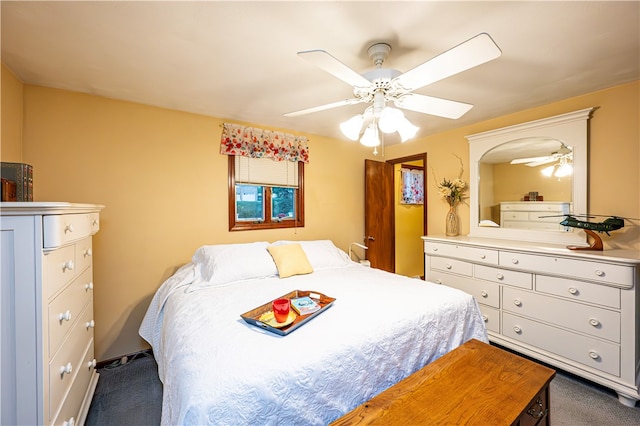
{"type": "Point", "coordinates": [265, 194]}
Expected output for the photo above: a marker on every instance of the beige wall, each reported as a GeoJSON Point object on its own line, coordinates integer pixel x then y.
{"type": "Point", "coordinates": [11, 133]}
{"type": "Point", "coordinates": [165, 186]}
{"type": "Point", "coordinates": [517, 180]}
{"type": "Point", "coordinates": [614, 158]}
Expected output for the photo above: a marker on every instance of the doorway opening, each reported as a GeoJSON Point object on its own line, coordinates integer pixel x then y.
{"type": "Point", "coordinates": [386, 235]}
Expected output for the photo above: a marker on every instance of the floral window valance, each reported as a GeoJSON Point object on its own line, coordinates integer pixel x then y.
{"type": "Point", "coordinates": [412, 186]}
{"type": "Point", "coordinates": [260, 143]}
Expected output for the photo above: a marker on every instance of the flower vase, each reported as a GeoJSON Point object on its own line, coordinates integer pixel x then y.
{"type": "Point", "coordinates": [452, 222]}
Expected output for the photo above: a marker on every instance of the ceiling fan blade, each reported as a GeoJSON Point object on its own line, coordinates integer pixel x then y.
{"type": "Point", "coordinates": [433, 106]}
{"type": "Point", "coordinates": [471, 53]}
{"type": "Point", "coordinates": [324, 60]}
{"type": "Point", "coordinates": [529, 160]}
{"type": "Point", "coordinates": [323, 107]}
{"type": "Point", "coordinates": [541, 162]}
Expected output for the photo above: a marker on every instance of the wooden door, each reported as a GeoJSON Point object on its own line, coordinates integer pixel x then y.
{"type": "Point", "coordinates": [379, 215]}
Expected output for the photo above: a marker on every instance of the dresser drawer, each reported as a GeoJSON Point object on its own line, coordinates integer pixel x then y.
{"type": "Point", "coordinates": [84, 254]}
{"type": "Point", "coordinates": [491, 317]}
{"type": "Point", "coordinates": [68, 358]}
{"type": "Point", "coordinates": [597, 322]}
{"type": "Point", "coordinates": [515, 215]}
{"type": "Point", "coordinates": [617, 275]}
{"type": "Point", "coordinates": [537, 412]}
{"type": "Point", "coordinates": [451, 265]}
{"type": "Point", "coordinates": [59, 230]}
{"type": "Point", "coordinates": [503, 276]}
{"type": "Point", "coordinates": [579, 290]}
{"type": "Point", "coordinates": [60, 269]}
{"type": "Point", "coordinates": [484, 292]}
{"type": "Point", "coordinates": [473, 254]}
{"type": "Point", "coordinates": [65, 308]}
{"type": "Point", "coordinates": [587, 351]}
{"type": "Point", "coordinates": [543, 226]}
{"type": "Point", "coordinates": [70, 410]}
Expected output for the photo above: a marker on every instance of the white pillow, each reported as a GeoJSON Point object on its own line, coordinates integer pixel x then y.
{"type": "Point", "coordinates": [322, 254]}
{"type": "Point", "coordinates": [224, 263]}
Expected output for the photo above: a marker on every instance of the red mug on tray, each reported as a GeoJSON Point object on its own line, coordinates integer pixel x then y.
{"type": "Point", "coordinates": [281, 309]}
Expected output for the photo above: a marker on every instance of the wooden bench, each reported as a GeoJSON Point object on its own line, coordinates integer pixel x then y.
{"type": "Point", "coordinates": [475, 384]}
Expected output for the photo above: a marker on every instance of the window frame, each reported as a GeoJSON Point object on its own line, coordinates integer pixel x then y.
{"type": "Point", "coordinates": [297, 222]}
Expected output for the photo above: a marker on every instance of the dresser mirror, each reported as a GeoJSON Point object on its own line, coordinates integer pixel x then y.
{"type": "Point", "coordinates": [520, 174]}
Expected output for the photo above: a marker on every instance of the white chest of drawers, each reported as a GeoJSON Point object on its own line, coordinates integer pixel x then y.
{"type": "Point", "coordinates": [532, 214]}
{"type": "Point", "coordinates": [578, 311]}
{"type": "Point", "coordinates": [47, 365]}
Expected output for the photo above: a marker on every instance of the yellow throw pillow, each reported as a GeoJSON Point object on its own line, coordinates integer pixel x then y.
{"type": "Point", "coordinates": [290, 260]}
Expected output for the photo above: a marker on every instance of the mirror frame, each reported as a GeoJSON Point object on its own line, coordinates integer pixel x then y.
{"type": "Point", "coordinates": [570, 128]}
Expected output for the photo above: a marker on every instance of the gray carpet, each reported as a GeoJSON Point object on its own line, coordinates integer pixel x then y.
{"type": "Point", "coordinates": [576, 402]}
{"type": "Point", "coordinates": [127, 394]}
{"type": "Point", "coordinates": [131, 394]}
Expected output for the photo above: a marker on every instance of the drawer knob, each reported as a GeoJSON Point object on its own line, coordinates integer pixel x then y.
{"type": "Point", "coordinates": [594, 322]}
{"type": "Point", "coordinates": [68, 265]}
{"type": "Point", "coordinates": [435, 249]}
{"type": "Point", "coordinates": [90, 324]}
{"type": "Point", "coordinates": [66, 369]}
{"type": "Point", "coordinates": [517, 329]}
{"type": "Point", "coordinates": [68, 228]}
{"type": "Point", "coordinates": [599, 273]}
{"type": "Point", "coordinates": [91, 364]}
{"type": "Point", "coordinates": [64, 316]}
{"type": "Point", "coordinates": [88, 253]}
{"type": "Point", "coordinates": [484, 294]}
{"type": "Point", "coordinates": [573, 290]}
{"type": "Point", "coordinates": [482, 256]}
{"type": "Point", "coordinates": [88, 286]}
{"type": "Point", "coordinates": [500, 276]}
{"type": "Point", "coordinates": [594, 354]}
{"type": "Point", "coordinates": [514, 261]}
{"type": "Point", "coordinates": [517, 302]}
{"type": "Point", "coordinates": [70, 422]}
{"type": "Point", "coordinates": [438, 281]}
{"type": "Point", "coordinates": [94, 222]}
{"type": "Point", "coordinates": [448, 266]}
{"type": "Point", "coordinates": [485, 318]}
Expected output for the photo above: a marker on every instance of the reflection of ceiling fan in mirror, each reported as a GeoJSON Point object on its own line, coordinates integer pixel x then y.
{"type": "Point", "coordinates": [564, 153]}
{"type": "Point", "coordinates": [382, 85]}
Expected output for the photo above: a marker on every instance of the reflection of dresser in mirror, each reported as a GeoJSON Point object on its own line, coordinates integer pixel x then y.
{"type": "Point", "coordinates": [530, 214]}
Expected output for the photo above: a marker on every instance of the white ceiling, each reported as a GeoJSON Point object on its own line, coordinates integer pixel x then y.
{"type": "Point", "coordinates": [237, 60]}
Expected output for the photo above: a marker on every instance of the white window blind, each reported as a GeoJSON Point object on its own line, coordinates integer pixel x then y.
{"type": "Point", "coordinates": [265, 171]}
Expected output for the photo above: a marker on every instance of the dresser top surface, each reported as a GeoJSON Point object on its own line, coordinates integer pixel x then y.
{"type": "Point", "coordinates": [21, 208]}
{"type": "Point", "coordinates": [612, 255]}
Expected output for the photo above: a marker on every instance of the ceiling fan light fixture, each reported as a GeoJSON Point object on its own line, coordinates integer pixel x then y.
{"type": "Point", "coordinates": [564, 169]}
{"type": "Point", "coordinates": [370, 137]}
{"type": "Point", "coordinates": [390, 120]}
{"type": "Point", "coordinates": [407, 130]}
{"type": "Point", "coordinates": [352, 127]}
{"type": "Point", "coordinates": [548, 171]}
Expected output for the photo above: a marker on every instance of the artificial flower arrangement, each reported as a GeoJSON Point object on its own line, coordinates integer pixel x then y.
{"type": "Point", "coordinates": [453, 190]}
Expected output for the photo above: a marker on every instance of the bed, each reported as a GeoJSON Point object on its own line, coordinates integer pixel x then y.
{"type": "Point", "coordinates": [218, 369]}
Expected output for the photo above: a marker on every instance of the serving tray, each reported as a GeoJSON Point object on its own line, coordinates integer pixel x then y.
{"type": "Point", "coordinates": [253, 316]}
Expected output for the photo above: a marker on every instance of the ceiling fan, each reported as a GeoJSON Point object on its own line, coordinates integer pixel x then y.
{"type": "Point", "coordinates": [563, 153]}
{"type": "Point", "coordinates": [382, 85]}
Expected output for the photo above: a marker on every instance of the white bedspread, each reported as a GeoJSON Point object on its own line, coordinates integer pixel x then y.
{"type": "Point", "coordinates": [219, 370]}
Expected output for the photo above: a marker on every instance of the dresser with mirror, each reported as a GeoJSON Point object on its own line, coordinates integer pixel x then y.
{"type": "Point", "coordinates": [577, 310]}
